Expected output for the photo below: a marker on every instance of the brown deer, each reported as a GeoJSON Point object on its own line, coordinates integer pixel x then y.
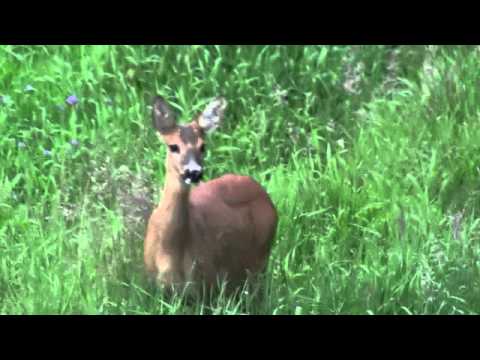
{"type": "Point", "coordinates": [219, 230]}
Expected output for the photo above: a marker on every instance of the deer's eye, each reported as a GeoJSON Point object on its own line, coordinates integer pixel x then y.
{"type": "Point", "coordinates": [174, 148]}
{"type": "Point", "coordinates": [202, 148]}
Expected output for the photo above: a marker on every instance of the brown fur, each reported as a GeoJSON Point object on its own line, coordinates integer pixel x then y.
{"type": "Point", "coordinates": [221, 229]}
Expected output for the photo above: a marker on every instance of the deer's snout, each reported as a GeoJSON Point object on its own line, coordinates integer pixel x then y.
{"type": "Point", "coordinates": [193, 176]}
{"type": "Point", "coordinates": [192, 172]}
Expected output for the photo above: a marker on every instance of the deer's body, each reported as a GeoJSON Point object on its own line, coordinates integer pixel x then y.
{"type": "Point", "coordinates": [221, 229]}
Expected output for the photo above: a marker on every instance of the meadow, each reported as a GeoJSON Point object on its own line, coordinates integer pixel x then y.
{"type": "Point", "coordinates": [371, 155]}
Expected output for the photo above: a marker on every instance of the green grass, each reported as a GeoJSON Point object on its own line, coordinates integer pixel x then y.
{"type": "Point", "coordinates": [372, 159]}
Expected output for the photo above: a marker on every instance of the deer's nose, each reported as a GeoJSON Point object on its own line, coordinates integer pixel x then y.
{"type": "Point", "coordinates": [194, 176]}
{"type": "Point", "coordinates": [192, 171]}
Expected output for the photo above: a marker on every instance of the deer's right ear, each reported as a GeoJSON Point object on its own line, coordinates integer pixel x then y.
{"type": "Point", "coordinates": [162, 116]}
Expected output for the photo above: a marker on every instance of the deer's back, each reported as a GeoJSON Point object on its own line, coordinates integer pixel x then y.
{"type": "Point", "coordinates": [232, 222]}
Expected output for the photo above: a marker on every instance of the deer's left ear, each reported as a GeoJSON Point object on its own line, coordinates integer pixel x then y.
{"type": "Point", "coordinates": [163, 118]}
{"type": "Point", "coordinates": [212, 116]}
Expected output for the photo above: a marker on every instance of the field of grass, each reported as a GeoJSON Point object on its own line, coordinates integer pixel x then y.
{"type": "Point", "coordinates": [370, 153]}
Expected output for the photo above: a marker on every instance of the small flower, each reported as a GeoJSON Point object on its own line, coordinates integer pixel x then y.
{"type": "Point", "coordinates": [72, 100]}
{"type": "Point", "coordinates": [21, 145]}
{"type": "Point", "coordinates": [29, 88]}
{"type": "Point", "coordinates": [69, 211]}
{"type": "Point", "coordinates": [74, 142]}
{"type": "Point", "coordinates": [280, 95]}
{"type": "Point", "coordinates": [47, 153]}
{"type": "Point", "coordinates": [130, 74]}
{"type": "Point", "coordinates": [5, 100]}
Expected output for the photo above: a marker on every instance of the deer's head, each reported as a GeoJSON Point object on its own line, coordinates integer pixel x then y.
{"type": "Point", "coordinates": [186, 143]}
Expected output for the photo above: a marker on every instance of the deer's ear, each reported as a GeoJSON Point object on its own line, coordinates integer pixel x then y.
{"type": "Point", "coordinates": [163, 118]}
{"type": "Point", "coordinates": [212, 116]}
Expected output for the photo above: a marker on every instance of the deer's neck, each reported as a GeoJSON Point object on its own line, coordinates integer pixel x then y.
{"type": "Point", "coordinates": [168, 229]}
{"type": "Point", "coordinates": [174, 219]}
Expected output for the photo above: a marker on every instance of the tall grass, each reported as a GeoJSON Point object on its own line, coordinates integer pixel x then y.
{"type": "Point", "coordinates": [370, 153]}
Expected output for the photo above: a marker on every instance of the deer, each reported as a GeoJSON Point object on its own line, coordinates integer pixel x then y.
{"type": "Point", "coordinates": [204, 232]}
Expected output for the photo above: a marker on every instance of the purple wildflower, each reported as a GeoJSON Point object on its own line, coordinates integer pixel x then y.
{"type": "Point", "coordinates": [72, 100]}
{"type": "Point", "coordinates": [28, 88]}
{"type": "Point", "coordinates": [47, 152]}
